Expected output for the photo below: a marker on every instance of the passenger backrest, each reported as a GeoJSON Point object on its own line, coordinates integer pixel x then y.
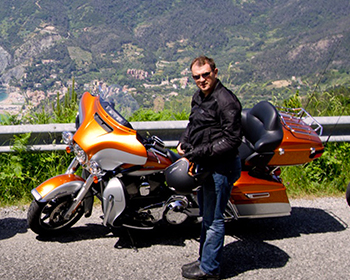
{"type": "Point", "coordinates": [263, 132]}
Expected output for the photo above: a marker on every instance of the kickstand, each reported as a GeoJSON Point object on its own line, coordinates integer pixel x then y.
{"type": "Point", "coordinates": [121, 243]}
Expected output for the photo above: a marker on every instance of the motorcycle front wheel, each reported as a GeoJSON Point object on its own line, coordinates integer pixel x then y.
{"type": "Point", "coordinates": [48, 218]}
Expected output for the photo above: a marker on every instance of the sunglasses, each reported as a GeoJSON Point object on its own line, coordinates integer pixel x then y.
{"type": "Point", "coordinates": [204, 76]}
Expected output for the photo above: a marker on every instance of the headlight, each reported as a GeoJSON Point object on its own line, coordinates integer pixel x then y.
{"type": "Point", "coordinates": [80, 154]}
{"type": "Point", "coordinates": [67, 137]}
{"type": "Point", "coordinates": [95, 169]}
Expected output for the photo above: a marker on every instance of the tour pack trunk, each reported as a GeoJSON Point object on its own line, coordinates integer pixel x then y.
{"type": "Point", "coordinates": [272, 138]}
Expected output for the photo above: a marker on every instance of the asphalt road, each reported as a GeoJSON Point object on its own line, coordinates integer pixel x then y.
{"type": "Point", "coordinates": [310, 244]}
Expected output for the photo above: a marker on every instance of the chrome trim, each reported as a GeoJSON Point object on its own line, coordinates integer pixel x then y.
{"type": "Point", "coordinates": [286, 113]}
{"type": "Point", "coordinates": [109, 206]}
{"type": "Point", "coordinates": [67, 138]}
{"type": "Point", "coordinates": [80, 154]}
{"type": "Point", "coordinates": [138, 227]}
{"type": "Point", "coordinates": [231, 212]}
{"type": "Point", "coordinates": [78, 199]}
{"type": "Point", "coordinates": [36, 195]}
{"type": "Point", "coordinates": [72, 166]}
{"type": "Point", "coordinates": [145, 189]}
{"type": "Point", "coordinates": [257, 195]}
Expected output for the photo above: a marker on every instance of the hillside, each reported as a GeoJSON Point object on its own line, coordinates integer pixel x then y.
{"type": "Point", "coordinates": [264, 49]}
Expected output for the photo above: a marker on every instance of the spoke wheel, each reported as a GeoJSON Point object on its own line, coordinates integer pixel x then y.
{"type": "Point", "coordinates": [48, 218]}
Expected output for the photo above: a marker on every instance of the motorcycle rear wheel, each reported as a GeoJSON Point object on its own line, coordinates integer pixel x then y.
{"type": "Point", "coordinates": [48, 218]}
{"type": "Point", "coordinates": [348, 194]}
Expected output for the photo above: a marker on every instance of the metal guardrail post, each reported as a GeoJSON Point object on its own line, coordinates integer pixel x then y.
{"type": "Point", "coordinates": [335, 129]}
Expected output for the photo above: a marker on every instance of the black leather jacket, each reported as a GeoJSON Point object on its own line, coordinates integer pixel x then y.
{"type": "Point", "coordinates": [214, 131]}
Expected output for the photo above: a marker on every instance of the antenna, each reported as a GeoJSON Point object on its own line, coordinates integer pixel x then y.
{"type": "Point", "coordinates": [324, 71]}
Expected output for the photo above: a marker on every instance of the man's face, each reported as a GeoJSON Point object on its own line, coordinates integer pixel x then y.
{"type": "Point", "coordinates": [204, 77]}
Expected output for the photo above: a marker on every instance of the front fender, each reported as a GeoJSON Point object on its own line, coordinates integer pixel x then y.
{"type": "Point", "coordinates": [57, 186]}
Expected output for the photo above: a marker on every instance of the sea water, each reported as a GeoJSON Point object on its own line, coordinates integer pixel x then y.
{"type": "Point", "coordinates": [3, 93]}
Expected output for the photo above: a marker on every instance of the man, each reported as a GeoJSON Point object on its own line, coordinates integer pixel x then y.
{"type": "Point", "coordinates": [211, 139]}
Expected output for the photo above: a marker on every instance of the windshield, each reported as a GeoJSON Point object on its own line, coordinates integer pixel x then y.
{"type": "Point", "coordinates": [109, 106]}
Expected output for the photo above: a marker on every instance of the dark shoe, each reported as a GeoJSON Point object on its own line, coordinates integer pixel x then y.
{"type": "Point", "coordinates": [192, 264]}
{"type": "Point", "coordinates": [194, 272]}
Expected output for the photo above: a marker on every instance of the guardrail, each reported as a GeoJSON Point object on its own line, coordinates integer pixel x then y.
{"type": "Point", "coordinates": [47, 137]}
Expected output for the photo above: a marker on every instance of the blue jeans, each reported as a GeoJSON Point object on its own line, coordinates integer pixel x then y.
{"type": "Point", "coordinates": [212, 199]}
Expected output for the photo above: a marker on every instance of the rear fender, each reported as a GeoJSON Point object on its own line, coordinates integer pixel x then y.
{"type": "Point", "coordinates": [57, 186]}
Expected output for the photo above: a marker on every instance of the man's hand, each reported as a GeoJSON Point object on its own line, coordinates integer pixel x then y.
{"type": "Point", "coordinates": [183, 148]}
{"type": "Point", "coordinates": [180, 151]}
{"type": "Point", "coordinates": [197, 154]}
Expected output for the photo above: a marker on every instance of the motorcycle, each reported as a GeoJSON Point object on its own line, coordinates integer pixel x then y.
{"type": "Point", "coordinates": [126, 171]}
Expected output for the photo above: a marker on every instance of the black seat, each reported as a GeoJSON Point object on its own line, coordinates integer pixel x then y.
{"type": "Point", "coordinates": [173, 156]}
{"type": "Point", "coordinates": [263, 133]}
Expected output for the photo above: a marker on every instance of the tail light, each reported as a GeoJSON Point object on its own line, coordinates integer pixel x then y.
{"type": "Point", "coordinates": [277, 172]}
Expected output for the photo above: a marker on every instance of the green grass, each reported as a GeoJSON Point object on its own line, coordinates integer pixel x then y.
{"type": "Point", "coordinates": [326, 176]}
{"type": "Point", "coordinates": [22, 171]}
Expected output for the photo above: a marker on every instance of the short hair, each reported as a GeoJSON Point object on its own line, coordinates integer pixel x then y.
{"type": "Point", "coordinates": [201, 60]}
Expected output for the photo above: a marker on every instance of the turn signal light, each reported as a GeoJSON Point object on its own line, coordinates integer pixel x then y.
{"type": "Point", "coordinates": [95, 179]}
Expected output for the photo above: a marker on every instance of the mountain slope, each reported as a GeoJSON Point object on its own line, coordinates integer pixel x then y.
{"type": "Point", "coordinates": [46, 42]}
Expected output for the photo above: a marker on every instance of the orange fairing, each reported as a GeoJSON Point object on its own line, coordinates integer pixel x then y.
{"type": "Point", "coordinates": [92, 137]}
{"type": "Point", "coordinates": [300, 143]}
{"type": "Point", "coordinates": [49, 185]}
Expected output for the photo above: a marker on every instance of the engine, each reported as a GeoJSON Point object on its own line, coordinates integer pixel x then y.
{"type": "Point", "coordinates": [172, 211]}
